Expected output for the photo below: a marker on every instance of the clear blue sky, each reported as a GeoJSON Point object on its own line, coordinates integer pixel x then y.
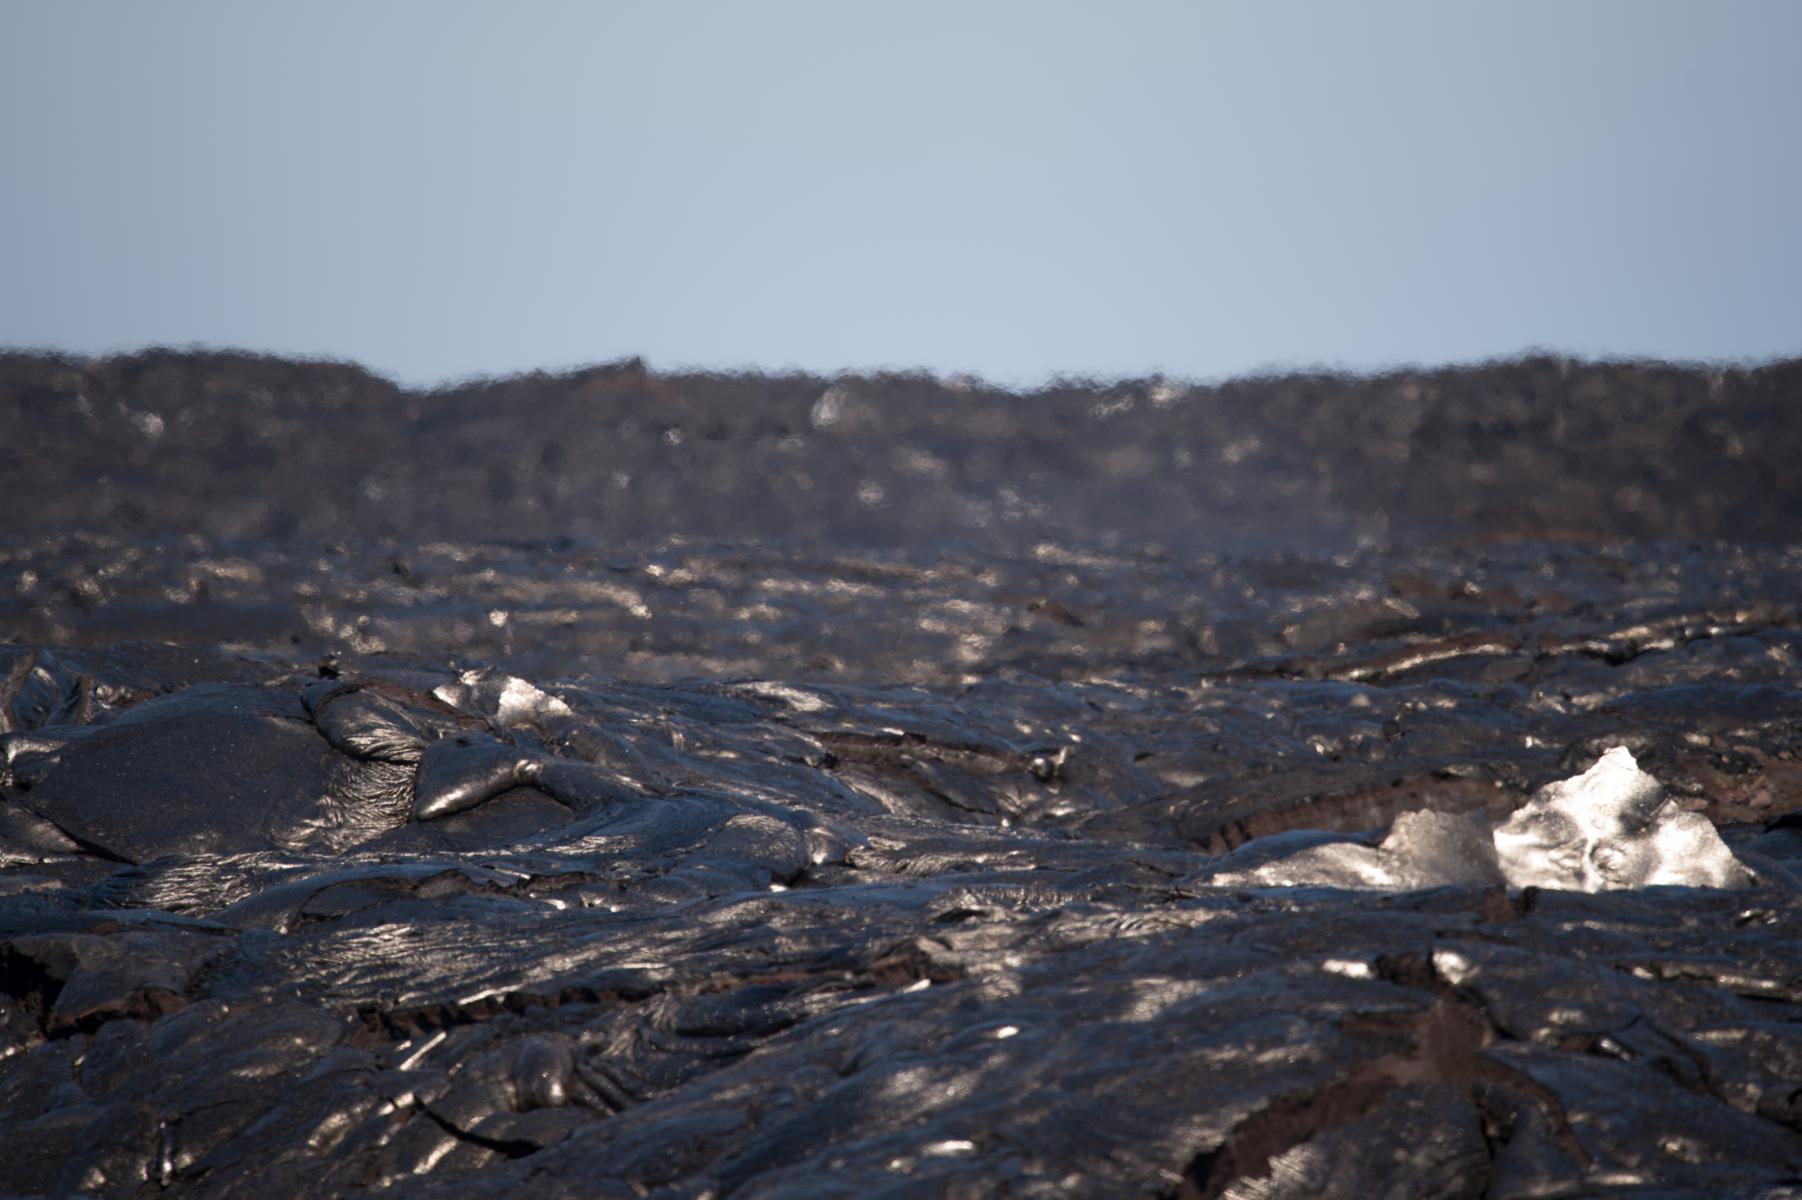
{"type": "Point", "coordinates": [438, 189]}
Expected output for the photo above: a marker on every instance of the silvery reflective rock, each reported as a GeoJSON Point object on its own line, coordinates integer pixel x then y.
{"type": "Point", "coordinates": [1612, 827]}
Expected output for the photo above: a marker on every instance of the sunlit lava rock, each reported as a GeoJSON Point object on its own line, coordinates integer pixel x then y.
{"type": "Point", "coordinates": [1609, 828]}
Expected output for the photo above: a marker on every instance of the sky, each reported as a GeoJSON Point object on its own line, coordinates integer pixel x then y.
{"type": "Point", "coordinates": [1013, 190]}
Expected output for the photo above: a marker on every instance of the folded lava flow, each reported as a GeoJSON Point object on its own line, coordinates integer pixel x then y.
{"type": "Point", "coordinates": [1399, 858]}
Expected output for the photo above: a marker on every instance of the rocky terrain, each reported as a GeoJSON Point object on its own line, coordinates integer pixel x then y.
{"type": "Point", "coordinates": [232, 446]}
{"type": "Point", "coordinates": [617, 784]}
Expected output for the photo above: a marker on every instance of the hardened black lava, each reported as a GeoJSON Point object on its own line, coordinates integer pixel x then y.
{"type": "Point", "coordinates": [842, 859]}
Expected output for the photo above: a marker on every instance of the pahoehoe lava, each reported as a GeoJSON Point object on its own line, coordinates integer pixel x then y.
{"type": "Point", "coordinates": [928, 830]}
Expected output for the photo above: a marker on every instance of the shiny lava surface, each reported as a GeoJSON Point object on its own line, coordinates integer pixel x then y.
{"type": "Point", "coordinates": [440, 844]}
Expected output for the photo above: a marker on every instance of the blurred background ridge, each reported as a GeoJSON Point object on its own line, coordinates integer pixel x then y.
{"type": "Point", "coordinates": [232, 445]}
